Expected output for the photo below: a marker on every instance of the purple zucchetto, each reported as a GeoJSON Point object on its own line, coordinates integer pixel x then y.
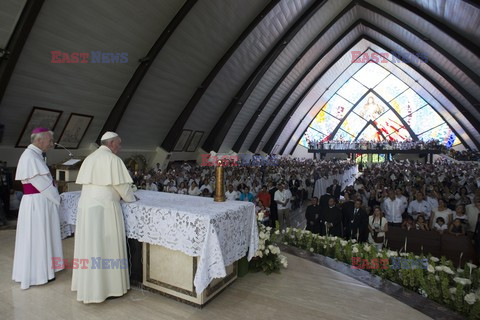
{"type": "Point", "coordinates": [40, 130]}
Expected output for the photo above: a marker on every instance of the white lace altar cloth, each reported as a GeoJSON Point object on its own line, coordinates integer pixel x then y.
{"type": "Point", "coordinates": [219, 233]}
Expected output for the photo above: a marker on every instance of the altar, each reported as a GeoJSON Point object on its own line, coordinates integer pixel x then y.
{"type": "Point", "coordinates": [190, 244]}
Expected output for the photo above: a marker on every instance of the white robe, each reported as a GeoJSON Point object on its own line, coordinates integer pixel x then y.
{"type": "Point", "coordinates": [100, 229]}
{"type": "Point", "coordinates": [38, 238]}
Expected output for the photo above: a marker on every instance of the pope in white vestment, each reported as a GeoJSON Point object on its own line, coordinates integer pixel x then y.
{"type": "Point", "coordinates": [100, 230]}
{"type": "Point", "coordinates": [38, 238]}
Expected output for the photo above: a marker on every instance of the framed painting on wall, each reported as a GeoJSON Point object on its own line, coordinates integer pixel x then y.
{"type": "Point", "coordinates": [39, 117]}
{"type": "Point", "coordinates": [74, 131]}
{"type": "Point", "coordinates": [195, 141]}
{"type": "Point", "coordinates": [182, 140]}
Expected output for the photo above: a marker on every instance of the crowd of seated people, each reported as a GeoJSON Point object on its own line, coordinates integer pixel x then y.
{"type": "Point", "coordinates": [437, 197]}
{"type": "Point", "coordinates": [377, 145]}
{"type": "Point", "coordinates": [465, 155]}
{"type": "Point", "coordinates": [275, 189]}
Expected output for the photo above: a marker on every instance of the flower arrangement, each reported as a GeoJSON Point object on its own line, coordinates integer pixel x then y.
{"type": "Point", "coordinates": [268, 257]}
{"type": "Point", "coordinates": [440, 281]}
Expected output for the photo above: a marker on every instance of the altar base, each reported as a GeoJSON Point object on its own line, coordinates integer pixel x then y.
{"type": "Point", "coordinates": [171, 273]}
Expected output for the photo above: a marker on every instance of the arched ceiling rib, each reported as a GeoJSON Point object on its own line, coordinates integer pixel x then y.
{"type": "Point", "coordinates": [298, 67]}
{"type": "Point", "coordinates": [305, 80]}
{"type": "Point", "coordinates": [259, 93]}
{"type": "Point", "coordinates": [175, 131]}
{"type": "Point", "coordinates": [472, 109]}
{"type": "Point", "coordinates": [17, 19]}
{"type": "Point", "coordinates": [87, 88]}
{"type": "Point", "coordinates": [347, 70]}
{"type": "Point", "coordinates": [192, 51]}
{"type": "Point", "coordinates": [371, 15]}
{"type": "Point", "coordinates": [120, 107]}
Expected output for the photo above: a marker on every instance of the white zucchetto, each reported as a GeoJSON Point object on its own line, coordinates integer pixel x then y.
{"type": "Point", "coordinates": [108, 135]}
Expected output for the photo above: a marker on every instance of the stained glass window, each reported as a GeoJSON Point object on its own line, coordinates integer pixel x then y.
{"type": "Point", "coordinates": [310, 136]}
{"type": "Point", "coordinates": [407, 102]}
{"type": "Point", "coordinates": [370, 75]}
{"type": "Point", "coordinates": [325, 123]}
{"type": "Point", "coordinates": [342, 135]}
{"type": "Point", "coordinates": [370, 134]}
{"type": "Point", "coordinates": [352, 90]}
{"type": "Point", "coordinates": [442, 134]}
{"type": "Point", "coordinates": [337, 106]}
{"type": "Point", "coordinates": [353, 124]}
{"type": "Point", "coordinates": [371, 107]}
{"type": "Point", "coordinates": [389, 123]}
{"type": "Point", "coordinates": [423, 119]}
{"type": "Point", "coordinates": [417, 115]}
{"type": "Point", "coordinates": [390, 87]}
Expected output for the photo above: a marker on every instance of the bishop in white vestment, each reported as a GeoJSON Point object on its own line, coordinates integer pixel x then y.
{"type": "Point", "coordinates": [100, 229]}
{"type": "Point", "coordinates": [38, 238]}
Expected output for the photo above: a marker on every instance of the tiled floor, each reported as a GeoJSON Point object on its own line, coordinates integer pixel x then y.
{"type": "Point", "coordinates": [303, 291]}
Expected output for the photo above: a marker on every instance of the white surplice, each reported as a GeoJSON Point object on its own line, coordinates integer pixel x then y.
{"type": "Point", "coordinates": [38, 237]}
{"type": "Point", "coordinates": [100, 229]}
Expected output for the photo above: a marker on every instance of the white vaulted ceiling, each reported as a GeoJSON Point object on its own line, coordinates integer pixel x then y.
{"type": "Point", "coordinates": [250, 74]}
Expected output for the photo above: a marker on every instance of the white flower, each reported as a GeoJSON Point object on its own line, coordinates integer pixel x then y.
{"type": "Point", "coordinates": [366, 248]}
{"type": "Point", "coordinates": [259, 254]}
{"type": "Point", "coordinates": [404, 254]}
{"type": "Point", "coordinates": [261, 235]}
{"type": "Point", "coordinates": [471, 265]}
{"type": "Point", "coordinates": [448, 270]}
{"type": "Point", "coordinates": [270, 247]}
{"type": "Point", "coordinates": [470, 298]}
{"type": "Point", "coordinates": [332, 245]}
{"type": "Point", "coordinates": [459, 270]}
{"type": "Point", "coordinates": [391, 253]}
{"type": "Point", "coordinates": [453, 291]}
{"type": "Point", "coordinates": [431, 269]}
{"type": "Point", "coordinates": [283, 231]}
{"type": "Point", "coordinates": [267, 251]}
{"type": "Point", "coordinates": [355, 250]}
{"type": "Point", "coordinates": [277, 232]}
{"type": "Point", "coordinates": [343, 243]}
{"type": "Point", "coordinates": [285, 243]}
{"type": "Point", "coordinates": [269, 228]}
{"type": "Point", "coordinates": [423, 293]}
{"type": "Point", "coordinates": [439, 268]}
{"type": "Point", "coordinates": [311, 250]}
{"type": "Point", "coordinates": [434, 259]}
{"type": "Point", "coordinates": [260, 215]}
{"type": "Point", "coordinates": [354, 241]}
{"type": "Point", "coordinates": [379, 254]}
{"type": "Point", "coordinates": [324, 247]}
{"type": "Point", "coordinates": [437, 278]}
{"type": "Point", "coordinates": [462, 281]}
{"type": "Point", "coordinates": [417, 257]}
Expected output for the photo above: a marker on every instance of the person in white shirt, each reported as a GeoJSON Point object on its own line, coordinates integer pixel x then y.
{"type": "Point", "coordinates": [393, 208]}
{"type": "Point", "coordinates": [282, 198]}
{"type": "Point", "coordinates": [432, 199]}
{"type": "Point", "coordinates": [171, 188]}
{"type": "Point", "coordinates": [473, 210]}
{"type": "Point", "coordinates": [193, 190]}
{"type": "Point", "coordinates": [182, 189]}
{"type": "Point", "coordinates": [151, 186]}
{"type": "Point", "coordinates": [419, 206]}
{"type": "Point", "coordinates": [231, 194]}
{"type": "Point", "coordinates": [441, 212]}
{"type": "Point", "coordinates": [440, 225]}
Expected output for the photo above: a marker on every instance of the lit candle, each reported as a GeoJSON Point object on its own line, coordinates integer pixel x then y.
{"type": "Point", "coordinates": [405, 247]}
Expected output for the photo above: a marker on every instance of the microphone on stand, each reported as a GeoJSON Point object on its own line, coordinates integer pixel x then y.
{"type": "Point", "coordinates": [69, 153]}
